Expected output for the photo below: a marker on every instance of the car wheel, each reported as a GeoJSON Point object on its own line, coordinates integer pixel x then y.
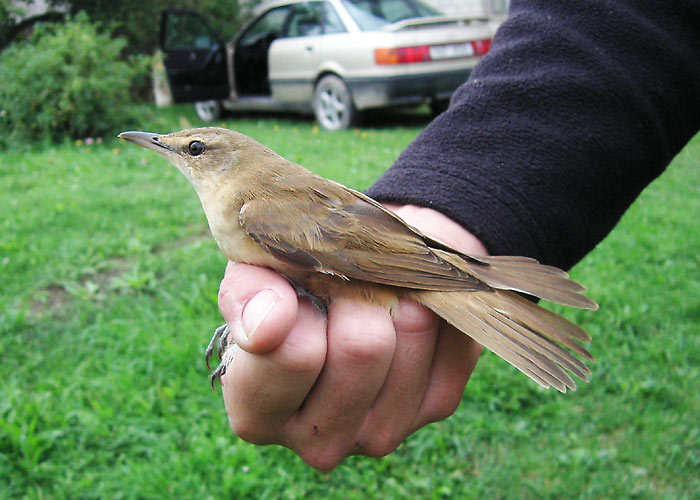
{"type": "Point", "coordinates": [208, 111]}
{"type": "Point", "coordinates": [438, 106]}
{"type": "Point", "coordinates": [333, 104]}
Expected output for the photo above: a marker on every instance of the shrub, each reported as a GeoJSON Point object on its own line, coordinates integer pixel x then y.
{"type": "Point", "coordinates": [65, 80]}
{"type": "Point", "coordinates": [138, 20]}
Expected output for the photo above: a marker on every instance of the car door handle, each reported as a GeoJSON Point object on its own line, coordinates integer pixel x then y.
{"type": "Point", "coordinates": [309, 48]}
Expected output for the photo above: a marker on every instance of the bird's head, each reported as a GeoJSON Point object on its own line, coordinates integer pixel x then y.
{"type": "Point", "coordinates": [204, 155]}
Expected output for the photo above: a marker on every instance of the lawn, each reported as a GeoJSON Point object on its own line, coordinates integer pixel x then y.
{"type": "Point", "coordinates": [108, 297]}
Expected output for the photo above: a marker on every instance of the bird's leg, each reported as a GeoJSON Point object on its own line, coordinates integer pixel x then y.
{"type": "Point", "coordinates": [225, 349]}
{"type": "Point", "coordinates": [219, 337]}
{"type": "Point", "coordinates": [304, 293]}
{"type": "Point", "coordinates": [217, 373]}
{"type": "Point", "coordinates": [223, 339]}
{"type": "Point", "coordinates": [219, 340]}
{"type": "Point", "coordinates": [230, 353]}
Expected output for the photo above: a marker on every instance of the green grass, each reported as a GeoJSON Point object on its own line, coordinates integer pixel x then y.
{"type": "Point", "coordinates": [108, 296]}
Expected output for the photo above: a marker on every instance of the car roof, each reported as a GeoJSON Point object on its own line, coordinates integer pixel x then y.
{"type": "Point", "coordinates": [278, 3]}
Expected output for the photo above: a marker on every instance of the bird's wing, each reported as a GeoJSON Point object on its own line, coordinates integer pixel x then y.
{"type": "Point", "coordinates": [332, 229]}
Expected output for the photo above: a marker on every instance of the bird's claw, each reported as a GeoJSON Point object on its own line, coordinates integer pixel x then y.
{"type": "Point", "coordinates": [219, 342]}
{"type": "Point", "coordinates": [217, 373]}
{"type": "Point", "coordinates": [223, 339]}
{"type": "Point", "coordinates": [226, 360]}
{"type": "Point", "coordinates": [218, 339]}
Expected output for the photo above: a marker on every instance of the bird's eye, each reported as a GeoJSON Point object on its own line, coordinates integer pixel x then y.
{"type": "Point", "coordinates": [196, 148]}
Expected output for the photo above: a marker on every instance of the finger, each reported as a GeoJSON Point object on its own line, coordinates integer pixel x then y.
{"type": "Point", "coordinates": [263, 391]}
{"type": "Point", "coordinates": [259, 306]}
{"type": "Point", "coordinates": [392, 414]}
{"type": "Point", "coordinates": [361, 342]}
{"type": "Point", "coordinates": [455, 357]}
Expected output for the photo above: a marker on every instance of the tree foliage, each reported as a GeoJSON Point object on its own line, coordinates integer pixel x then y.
{"type": "Point", "coordinates": [139, 21]}
{"type": "Point", "coordinates": [67, 79]}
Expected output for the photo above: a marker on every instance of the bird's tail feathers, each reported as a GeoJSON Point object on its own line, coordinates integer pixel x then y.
{"type": "Point", "coordinates": [523, 274]}
{"type": "Point", "coordinates": [527, 336]}
{"type": "Point", "coordinates": [538, 342]}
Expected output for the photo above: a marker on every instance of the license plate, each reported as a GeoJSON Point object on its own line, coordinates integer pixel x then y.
{"type": "Point", "coordinates": [451, 51]}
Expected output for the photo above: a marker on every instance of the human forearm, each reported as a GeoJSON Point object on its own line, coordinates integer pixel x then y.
{"type": "Point", "coordinates": [573, 112]}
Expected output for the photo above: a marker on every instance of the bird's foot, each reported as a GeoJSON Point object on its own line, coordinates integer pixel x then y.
{"type": "Point", "coordinates": [303, 293]}
{"type": "Point", "coordinates": [217, 373]}
{"type": "Point", "coordinates": [224, 351]}
{"type": "Point", "coordinates": [217, 340]}
{"type": "Point", "coordinates": [226, 360]}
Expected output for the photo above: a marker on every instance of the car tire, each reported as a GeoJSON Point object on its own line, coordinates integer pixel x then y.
{"type": "Point", "coordinates": [439, 106]}
{"type": "Point", "coordinates": [333, 104]}
{"type": "Point", "coordinates": [208, 111]}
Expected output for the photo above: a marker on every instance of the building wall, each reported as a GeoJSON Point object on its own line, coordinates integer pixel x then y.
{"type": "Point", "coordinates": [30, 8]}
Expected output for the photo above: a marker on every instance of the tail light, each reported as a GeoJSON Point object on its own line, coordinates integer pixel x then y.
{"type": "Point", "coordinates": [423, 53]}
{"type": "Point", "coordinates": [402, 55]}
{"type": "Point", "coordinates": [481, 47]}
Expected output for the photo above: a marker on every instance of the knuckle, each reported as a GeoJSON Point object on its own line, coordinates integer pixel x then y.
{"type": "Point", "coordinates": [385, 442]}
{"type": "Point", "coordinates": [413, 318]}
{"type": "Point", "coordinates": [223, 293]}
{"type": "Point", "coordinates": [364, 347]}
{"type": "Point", "coordinates": [242, 281]}
{"type": "Point", "coordinates": [367, 341]}
{"type": "Point", "coordinates": [249, 430]}
{"type": "Point", "coordinates": [304, 357]}
{"type": "Point", "coordinates": [445, 405]}
{"type": "Point", "coordinates": [229, 281]}
{"type": "Point", "coordinates": [324, 460]}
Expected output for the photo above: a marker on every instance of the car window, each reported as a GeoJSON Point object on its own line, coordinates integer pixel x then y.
{"type": "Point", "coordinates": [187, 30]}
{"type": "Point", "coordinates": [331, 20]}
{"type": "Point", "coordinates": [373, 14]}
{"type": "Point", "coordinates": [269, 24]}
{"type": "Point", "coordinates": [306, 20]}
{"type": "Point", "coordinates": [313, 18]}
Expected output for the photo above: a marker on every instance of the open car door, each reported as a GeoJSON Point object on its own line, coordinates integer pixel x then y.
{"type": "Point", "coordinates": [195, 58]}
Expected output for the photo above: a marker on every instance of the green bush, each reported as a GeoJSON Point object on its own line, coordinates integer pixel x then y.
{"type": "Point", "coordinates": [66, 80]}
{"type": "Point", "coordinates": [137, 20]}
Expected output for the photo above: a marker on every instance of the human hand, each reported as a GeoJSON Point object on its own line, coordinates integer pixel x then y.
{"type": "Point", "coordinates": [354, 382]}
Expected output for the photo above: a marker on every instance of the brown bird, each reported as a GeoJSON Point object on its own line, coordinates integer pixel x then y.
{"type": "Point", "coordinates": [329, 240]}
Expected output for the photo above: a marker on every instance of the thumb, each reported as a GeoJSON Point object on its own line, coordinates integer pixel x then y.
{"type": "Point", "coordinates": [259, 306]}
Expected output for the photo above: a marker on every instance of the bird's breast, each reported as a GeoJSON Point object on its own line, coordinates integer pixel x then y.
{"type": "Point", "coordinates": [236, 244]}
{"type": "Point", "coordinates": [226, 229]}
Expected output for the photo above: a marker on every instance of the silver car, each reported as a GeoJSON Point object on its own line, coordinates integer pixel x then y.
{"type": "Point", "coordinates": [335, 58]}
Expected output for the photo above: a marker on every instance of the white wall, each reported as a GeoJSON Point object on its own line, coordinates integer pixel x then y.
{"type": "Point", "coordinates": [34, 8]}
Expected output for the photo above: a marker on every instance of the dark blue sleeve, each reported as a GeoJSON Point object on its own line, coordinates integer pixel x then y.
{"type": "Point", "coordinates": [577, 107]}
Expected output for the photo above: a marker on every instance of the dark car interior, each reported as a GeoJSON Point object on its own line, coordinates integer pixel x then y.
{"type": "Point", "coordinates": [250, 55]}
{"type": "Point", "coordinates": [251, 51]}
{"type": "Point", "coordinates": [196, 61]}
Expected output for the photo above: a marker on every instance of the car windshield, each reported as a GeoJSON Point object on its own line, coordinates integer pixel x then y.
{"type": "Point", "coordinates": [372, 15]}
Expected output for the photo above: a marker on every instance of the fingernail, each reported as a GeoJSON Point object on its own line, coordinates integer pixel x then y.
{"type": "Point", "coordinates": [256, 309]}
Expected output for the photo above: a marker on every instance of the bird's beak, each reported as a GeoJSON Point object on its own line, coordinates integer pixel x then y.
{"type": "Point", "coordinates": [146, 139]}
